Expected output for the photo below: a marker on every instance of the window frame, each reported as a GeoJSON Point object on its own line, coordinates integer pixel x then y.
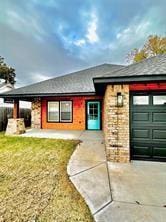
{"type": "Point", "coordinates": [48, 120]}
{"type": "Point", "coordinates": [65, 121]}
{"type": "Point", "coordinates": [59, 102]}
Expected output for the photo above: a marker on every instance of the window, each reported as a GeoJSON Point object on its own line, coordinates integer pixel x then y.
{"type": "Point", "coordinates": [159, 100]}
{"type": "Point", "coordinates": [60, 111]}
{"type": "Point", "coordinates": [66, 111]}
{"type": "Point", "coordinates": [53, 111]}
{"type": "Point", "coordinates": [140, 100]}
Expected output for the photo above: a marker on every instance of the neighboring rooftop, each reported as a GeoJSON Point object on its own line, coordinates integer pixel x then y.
{"type": "Point", "coordinates": [77, 82]}
{"type": "Point", "coordinates": [4, 87]}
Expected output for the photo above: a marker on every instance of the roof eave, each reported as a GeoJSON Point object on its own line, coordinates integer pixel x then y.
{"type": "Point", "coordinates": [130, 79]}
{"type": "Point", "coordinates": [32, 95]}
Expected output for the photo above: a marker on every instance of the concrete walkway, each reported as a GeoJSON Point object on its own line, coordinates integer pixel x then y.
{"type": "Point", "coordinates": [88, 171]}
{"type": "Point", "coordinates": [87, 167]}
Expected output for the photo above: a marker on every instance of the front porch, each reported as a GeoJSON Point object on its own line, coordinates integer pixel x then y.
{"type": "Point", "coordinates": [72, 115]}
{"type": "Point", "coordinates": [65, 134]}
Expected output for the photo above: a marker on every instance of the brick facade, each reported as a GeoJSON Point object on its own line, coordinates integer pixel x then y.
{"type": "Point", "coordinates": [79, 113]}
{"type": "Point", "coordinates": [116, 124]}
{"type": "Point", "coordinates": [36, 114]}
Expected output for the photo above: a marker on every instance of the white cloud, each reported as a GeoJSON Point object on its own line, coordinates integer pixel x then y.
{"type": "Point", "coordinates": [80, 42]}
{"type": "Point", "coordinates": [134, 32]}
{"type": "Point", "coordinates": [27, 24]}
{"type": "Point", "coordinates": [89, 37]}
{"type": "Point", "coordinates": [68, 41]}
{"type": "Point", "coordinates": [131, 37]}
{"type": "Point", "coordinates": [92, 29]}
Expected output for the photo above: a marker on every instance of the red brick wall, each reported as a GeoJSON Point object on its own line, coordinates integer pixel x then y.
{"type": "Point", "coordinates": [78, 113]}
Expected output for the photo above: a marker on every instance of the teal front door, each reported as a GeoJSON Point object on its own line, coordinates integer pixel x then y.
{"type": "Point", "coordinates": [93, 115]}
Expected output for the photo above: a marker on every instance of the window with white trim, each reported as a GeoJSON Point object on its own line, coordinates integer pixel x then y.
{"type": "Point", "coordinates": [65, 111]}
{"type": "Point", "coordinates": [53, 111]}
{"type": "Point", "coordinates": [60, 111]}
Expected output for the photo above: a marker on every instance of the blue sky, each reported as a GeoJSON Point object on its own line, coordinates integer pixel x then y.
{"type": "Point", "coordinates": [46, 38]}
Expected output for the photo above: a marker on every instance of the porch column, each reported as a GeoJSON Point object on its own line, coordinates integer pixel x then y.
{"type": "Point", "coordinates": [15, 125]}
{"type": "Point", "coordinates": [16, 109]}
{"type": "Point", "coordinates": [36, 113]}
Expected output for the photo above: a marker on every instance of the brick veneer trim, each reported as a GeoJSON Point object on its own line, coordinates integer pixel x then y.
{"type": "Point", "coordinates": [116, 124]}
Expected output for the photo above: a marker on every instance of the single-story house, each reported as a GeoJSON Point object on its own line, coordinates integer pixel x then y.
{"type": "Point", "coordinates": [127, 102]}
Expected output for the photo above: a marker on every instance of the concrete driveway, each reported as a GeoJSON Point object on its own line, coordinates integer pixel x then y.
{"type": "Point", "coordinates": [138, 193]}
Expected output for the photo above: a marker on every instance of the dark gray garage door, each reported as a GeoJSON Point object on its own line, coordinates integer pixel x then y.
{"type": "Point", "coordinates": [148, 126]}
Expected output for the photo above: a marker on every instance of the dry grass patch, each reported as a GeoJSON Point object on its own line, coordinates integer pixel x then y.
{"type": "Point", "coordinates": [34, 185]}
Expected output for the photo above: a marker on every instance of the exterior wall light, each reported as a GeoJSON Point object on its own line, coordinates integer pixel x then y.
{"type": "Point", "coordinates": [119, 99]}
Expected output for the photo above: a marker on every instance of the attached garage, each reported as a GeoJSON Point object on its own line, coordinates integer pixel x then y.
{"type": "Point", "coordinates": [148, 126]}
{"type": "Point", "coordinates": [135, 111]}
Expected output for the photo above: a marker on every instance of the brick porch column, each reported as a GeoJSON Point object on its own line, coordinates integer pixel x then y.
{"type": "Point", "coordinates": [116, 124]}
{"type": "Point", "coordinates": [36, 113]}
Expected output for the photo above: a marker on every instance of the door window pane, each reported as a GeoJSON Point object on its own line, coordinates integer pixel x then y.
{"type": "Point", "coordinates": [66, 111]}
{"type": "Point", "coordinates": [140, 100]}
{"type": "Point", "coordinates": [159, 100]}
{"type": "Point", "coordinates": [93, 111]}
{"type": "Point", "coordinates": [53, 111]}
{"type": "Point", "coordinates": [95, 106]}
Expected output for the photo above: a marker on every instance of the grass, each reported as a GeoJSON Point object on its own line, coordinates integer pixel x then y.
{"type": "Point", "coordinates": [34, 185]}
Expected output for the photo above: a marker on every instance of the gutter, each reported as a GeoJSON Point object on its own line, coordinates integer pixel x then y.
{"type": "Point", "coordinates": [30, 95]}
{"type": "Point", "coordinates": [129, 79]}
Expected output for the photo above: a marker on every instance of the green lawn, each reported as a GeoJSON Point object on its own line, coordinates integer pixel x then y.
{"type": "Point", "coordinates": [34, 185]}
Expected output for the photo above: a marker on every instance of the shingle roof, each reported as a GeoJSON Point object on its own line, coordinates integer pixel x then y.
{"type": "Point", "coordinates": [82, 81]}
{"type": "Point", "coordinates": [77, 82]}
{"type": "Point", "coordinates": [152, 66]}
